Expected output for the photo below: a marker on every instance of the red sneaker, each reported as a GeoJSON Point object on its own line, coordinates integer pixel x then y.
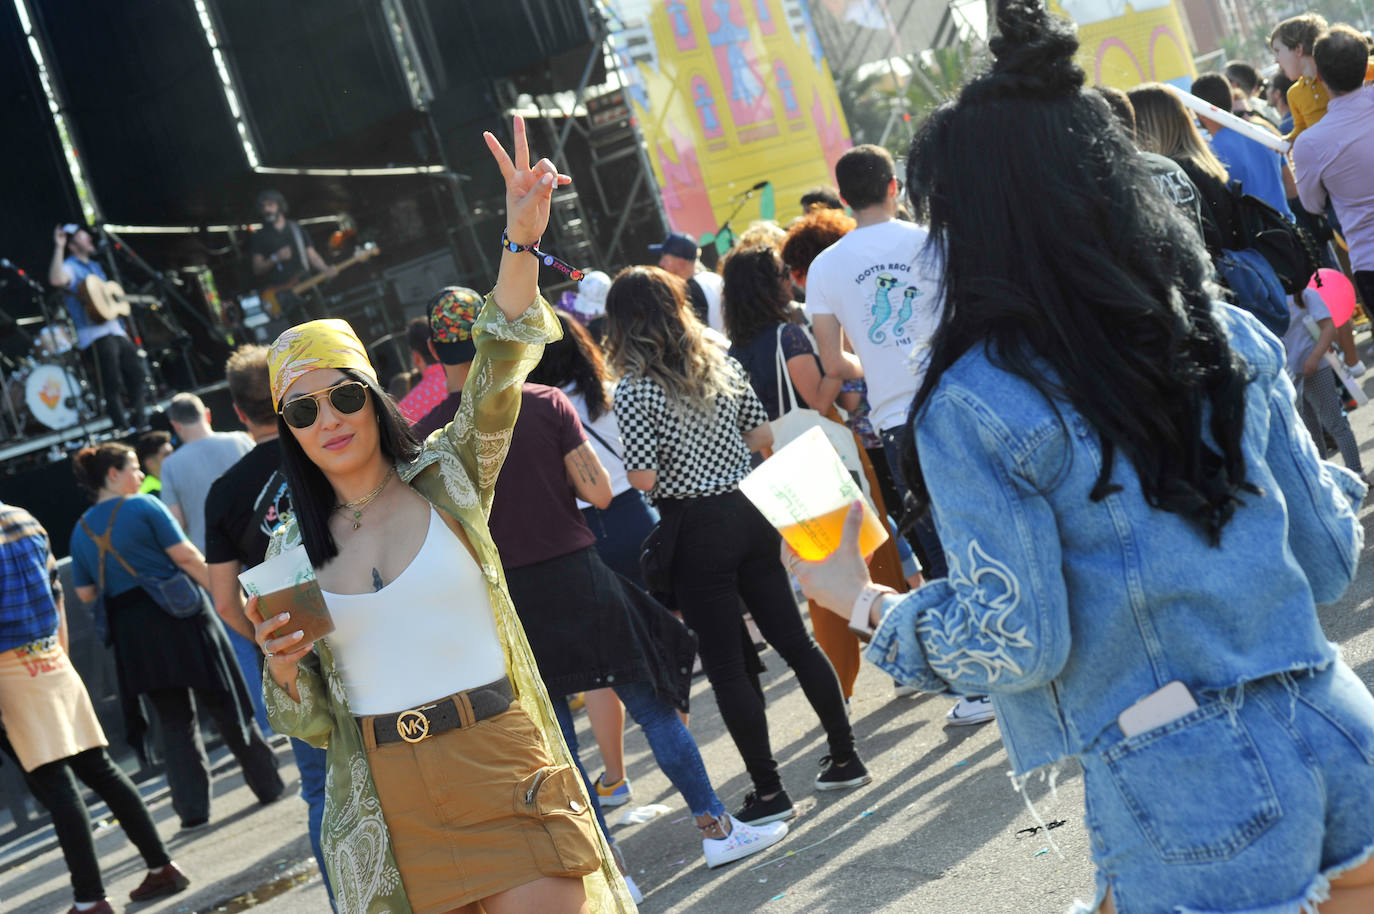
{"type": "Point", "coordinates": [167, 881]}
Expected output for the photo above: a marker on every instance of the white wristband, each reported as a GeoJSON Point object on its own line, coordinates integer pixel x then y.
{"type": "Point", "coordinates": [863, 606]}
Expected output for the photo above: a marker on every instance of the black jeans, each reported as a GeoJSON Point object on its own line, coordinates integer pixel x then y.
{"type": "Point", "coordinates": [54, 786]}
{"type": "Point", "coordinates": [726, 552]}
{"type": "Point", "coordinates": [922, 536]}
{"type": "Point", "coordinates": [120, 370]}
{"type": "Point", "coordinates": [188, 768]}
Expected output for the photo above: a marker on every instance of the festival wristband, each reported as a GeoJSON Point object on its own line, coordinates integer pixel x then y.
{"type": "Point", "coordinates": [549, 260]}
{"type": "Point", "coordinates": [863, 606]}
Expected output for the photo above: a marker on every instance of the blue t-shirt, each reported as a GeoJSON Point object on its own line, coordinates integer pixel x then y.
{"type": "Point", "coordinates": [1258, 168]}
{"type": "Point", "coordinates": [144, 530]}
{"type": "Point", "coordinates": [87, 332]}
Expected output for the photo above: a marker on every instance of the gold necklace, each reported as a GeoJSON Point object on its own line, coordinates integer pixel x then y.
{"type": "Point", "coordinates": [360, 505]}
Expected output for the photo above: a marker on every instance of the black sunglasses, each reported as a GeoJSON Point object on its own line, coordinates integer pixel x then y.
{"type": "Point", "coordinates": [347, 398]}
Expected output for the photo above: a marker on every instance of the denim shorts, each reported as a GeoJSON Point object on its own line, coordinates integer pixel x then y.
{"type": "Point", "coordinates": [1250, 804]}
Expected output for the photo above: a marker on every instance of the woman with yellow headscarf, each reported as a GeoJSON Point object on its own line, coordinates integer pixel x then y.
{"type": "Point", "coordinates": [449, 786]}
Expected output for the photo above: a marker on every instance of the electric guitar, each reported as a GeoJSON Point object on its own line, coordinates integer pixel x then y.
{"type": "Point", "coordinates": [106, 300]}
{"type": "Point", "coordinates": [273, 295]}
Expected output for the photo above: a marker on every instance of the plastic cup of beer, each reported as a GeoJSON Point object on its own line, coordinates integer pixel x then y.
{"type": "Point", "coordinates": [805, 491]}
{"type": "Point", "coordinates": [286, 584]}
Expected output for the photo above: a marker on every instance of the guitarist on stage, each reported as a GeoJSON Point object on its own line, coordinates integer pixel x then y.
{"type": "Point", "coordinates": [281, 248]}
{"type": "Point", "coordinates": [106, 344]}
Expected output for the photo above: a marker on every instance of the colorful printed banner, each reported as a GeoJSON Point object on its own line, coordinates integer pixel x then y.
{"type": "Point", "coordinates": [1123, 45]}
{"type": "Point", "coordinates": [729, 93]}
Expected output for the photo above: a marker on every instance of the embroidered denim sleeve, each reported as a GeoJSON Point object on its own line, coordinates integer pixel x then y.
{"type": "Point", "coordinates": [999, 622]}
{"type": "Point", "coordinates": [1324, 534]}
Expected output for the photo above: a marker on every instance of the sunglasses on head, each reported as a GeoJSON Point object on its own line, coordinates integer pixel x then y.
{"type": "Point", "coordinates": [347, 398]}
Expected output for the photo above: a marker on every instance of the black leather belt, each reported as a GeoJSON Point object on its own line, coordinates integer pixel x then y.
{"type": "Point", "coordinates": [461, 710]}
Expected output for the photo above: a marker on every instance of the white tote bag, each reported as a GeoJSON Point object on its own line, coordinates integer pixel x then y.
{"type": "Point", "coordinates": [795, 419]}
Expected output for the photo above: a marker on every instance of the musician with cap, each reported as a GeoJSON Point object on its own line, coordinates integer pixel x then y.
{"type": "Point", "coordinates": [104, 341]}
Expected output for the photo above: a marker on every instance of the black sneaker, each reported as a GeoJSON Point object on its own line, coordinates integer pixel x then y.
{"type": "Point", "coordinates": [842, 775]}
{"type": "Point", "coordinates": [761, 812]}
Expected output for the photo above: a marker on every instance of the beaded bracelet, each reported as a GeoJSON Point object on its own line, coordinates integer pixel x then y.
{"type": "Point", "coordinates": [548, 259]}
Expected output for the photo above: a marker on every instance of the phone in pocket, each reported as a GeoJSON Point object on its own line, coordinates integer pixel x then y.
{"type": "Point", "coordinates": [1170, 702]}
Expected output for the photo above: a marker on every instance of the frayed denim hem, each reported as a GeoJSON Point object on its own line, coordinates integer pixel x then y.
{"type": "Point", "coordinates": [1317, 892]}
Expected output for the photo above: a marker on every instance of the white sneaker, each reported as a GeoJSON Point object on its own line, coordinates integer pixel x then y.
{"type": "Point", "coordinates": [743, 841]}
{"type": "Point", "coordinates": [635, 894]}
{"type": "Point", "coordinates": [903, 691]}
{"type": "Point", "coordinates": [1356, 370]}
{"type": "Point", "coordinates": [970, 711]}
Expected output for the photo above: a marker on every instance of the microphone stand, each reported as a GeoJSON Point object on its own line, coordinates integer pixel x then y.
{"type": "Point", "coordinates": [164, 286]}
{"type": "Point", "coordinates": [744, 198]}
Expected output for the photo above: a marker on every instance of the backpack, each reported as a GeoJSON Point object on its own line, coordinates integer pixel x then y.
{"type": "Point", "coordinates": [1286, 246]}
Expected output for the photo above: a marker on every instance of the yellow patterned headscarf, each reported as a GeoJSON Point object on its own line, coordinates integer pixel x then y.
{"type": "Point", "coordinates": [328, 343]}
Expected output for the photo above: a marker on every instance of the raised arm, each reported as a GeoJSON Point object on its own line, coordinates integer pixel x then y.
{"type": "Point", "coordinates": [57, 269]}
{"type": "Point", "coordinates": [528, 195]}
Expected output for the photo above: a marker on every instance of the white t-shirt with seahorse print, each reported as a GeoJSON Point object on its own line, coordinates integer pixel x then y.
{"type": "Point", "coordinates": [884, 287]}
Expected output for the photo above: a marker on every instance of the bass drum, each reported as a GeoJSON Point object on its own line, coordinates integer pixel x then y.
{"type": "Point", "coordinates": [48, 395]}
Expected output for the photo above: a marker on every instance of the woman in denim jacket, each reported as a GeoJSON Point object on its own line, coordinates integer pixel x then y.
{"type": "Point", "coordinates": [1129, 502]}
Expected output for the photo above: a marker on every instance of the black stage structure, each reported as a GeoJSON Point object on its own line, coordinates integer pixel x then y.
{"type": "Point", "coordinates": [366, 114]}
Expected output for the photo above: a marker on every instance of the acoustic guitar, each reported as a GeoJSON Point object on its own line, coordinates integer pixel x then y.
{"type": "Point", "coordinates": [106, 299]}
{"type": "Point", "coordinates": [271, 296]}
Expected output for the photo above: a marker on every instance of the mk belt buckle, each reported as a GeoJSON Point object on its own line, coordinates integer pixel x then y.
{"type": "Point", "coordinates": [412, 725]}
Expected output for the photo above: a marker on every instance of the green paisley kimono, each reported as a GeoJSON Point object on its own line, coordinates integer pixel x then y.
{"type": "Point", "coordinates": [456, 472]}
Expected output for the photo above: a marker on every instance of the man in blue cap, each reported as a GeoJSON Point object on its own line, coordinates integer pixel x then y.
{"type": "Point", "coordinates": [680, 255]}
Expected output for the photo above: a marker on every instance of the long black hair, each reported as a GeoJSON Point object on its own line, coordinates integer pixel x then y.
{"type": "Point", "coordinates": [1061, 254]}
{"type": "Point", "coordinates": [576, 359]}
{"type": "Point", "coordinates": [312, 497]}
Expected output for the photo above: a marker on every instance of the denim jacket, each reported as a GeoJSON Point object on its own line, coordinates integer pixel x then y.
{"type": "Point", "coordinates": [1065, 610]}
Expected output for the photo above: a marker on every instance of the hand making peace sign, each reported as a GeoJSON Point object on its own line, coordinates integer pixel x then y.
{"type": "Point", "coordinates": [528, 190]}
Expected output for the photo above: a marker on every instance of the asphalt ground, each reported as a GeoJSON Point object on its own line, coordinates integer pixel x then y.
{"type": "Point", "coordinates": [936, 831]}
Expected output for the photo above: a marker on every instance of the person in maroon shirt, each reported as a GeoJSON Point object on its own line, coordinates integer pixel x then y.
{"type": "Point", "coordinates": [587, 626]}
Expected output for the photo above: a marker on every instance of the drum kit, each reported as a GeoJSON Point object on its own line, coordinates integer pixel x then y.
{"type": "Point", "coordinates": [45, 390]}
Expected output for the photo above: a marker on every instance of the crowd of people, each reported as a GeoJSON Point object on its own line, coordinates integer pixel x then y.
{"type": "Point", "coordinates": [1094, 429]}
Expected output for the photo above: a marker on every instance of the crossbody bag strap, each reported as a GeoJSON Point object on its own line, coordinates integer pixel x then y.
{"type": "Point", "coordinates": [787, 401]}
{"type": "Point", "coordinates": [586, 427]}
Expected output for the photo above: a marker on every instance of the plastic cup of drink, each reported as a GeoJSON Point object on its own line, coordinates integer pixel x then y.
{"type": "Point", "coordinates": [805, 491]}
{"type": "Point", "coordinates": [286, 584]}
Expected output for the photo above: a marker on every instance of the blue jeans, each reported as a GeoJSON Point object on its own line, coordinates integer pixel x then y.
{"type": "Point", "coordinates": [672, 745]}
{"type": "Point", "coordinates": [249, 655]}
{"type": "Point", "coordinates": [930, 552]}
{"type": "Point", "coordinates": [1258, 797]}
{"type": "Point", "coordinates": [310, 763]}
{"type": "Point", "coordinates": [620, 530]}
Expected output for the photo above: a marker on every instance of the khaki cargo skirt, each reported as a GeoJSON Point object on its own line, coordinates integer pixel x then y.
{"type": "Point", "coordinates": [480, 809]}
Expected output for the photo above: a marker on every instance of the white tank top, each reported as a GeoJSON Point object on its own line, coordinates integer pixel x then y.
{"type": "Point", "coordinates": [427, 634]}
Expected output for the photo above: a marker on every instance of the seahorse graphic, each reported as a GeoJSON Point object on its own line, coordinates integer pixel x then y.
{"type": "Point", "coordinates": [909, 295]}
{"type": "Point", "coordinates": [882, 307]}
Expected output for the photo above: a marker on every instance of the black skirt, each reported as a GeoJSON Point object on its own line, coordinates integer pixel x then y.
{"type": "Point", "coordinates": [154, 650]}
{"type": "Point", "coordinates": [590, 628]}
